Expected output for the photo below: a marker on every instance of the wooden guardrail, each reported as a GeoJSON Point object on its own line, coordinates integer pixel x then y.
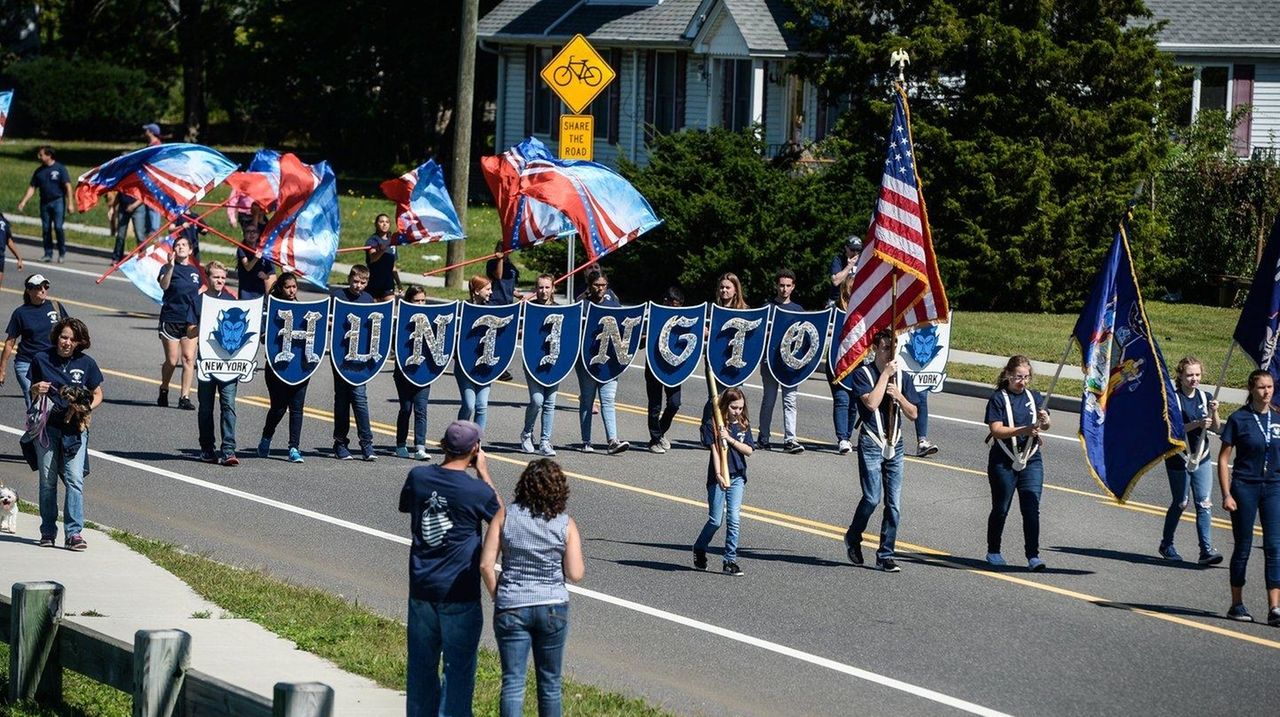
{"type": "Point", "coordinates": [155, 669]}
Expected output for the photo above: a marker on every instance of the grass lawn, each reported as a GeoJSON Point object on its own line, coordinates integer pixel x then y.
{"type": "Point", "coordinates": [82, 697]}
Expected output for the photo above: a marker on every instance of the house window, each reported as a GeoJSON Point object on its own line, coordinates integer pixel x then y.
{"type": "Point", "coordinates": [541, 105]}
{"type": "Point", "coordinates": [664, 93]}
{"type": "Point", "coordinates": [607, 105]}
{"type": "Point", "coordinates": [1214, 82]}
{"type": "Point", "coordinates": [735, 94]}
{"type": "Point", "coordinates": [829, 111]}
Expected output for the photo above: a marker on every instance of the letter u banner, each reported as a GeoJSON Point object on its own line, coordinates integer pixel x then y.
{"type": "Point", "coordinates": [296, 339]}
{"type": "Point", "coordinates": [796, 339]}
{"type": "Point", "coordinates": [611, 339]}
{"type": "Point", "coordinates": [674, 344]}
{"type": "Point", "coordinates": [552, 335]}
{"type": "Point", "coordinates": [361, 340]}
{"type": "Point", "coordinates": [486, 341]}
{"type": "Point", "coordinates": [426, 335]}
{"type": "Point", "coordinates": [736, 343]}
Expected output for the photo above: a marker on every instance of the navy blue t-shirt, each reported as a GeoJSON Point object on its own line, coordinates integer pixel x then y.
{"type": "Point", "coordinates": [863, 380]}
{"type": "Point", "coordinates": [252, 282]}
{"type": "Point", "coordinates": [504, 287]}
{"type": "Point", "coordinates": [837, 265]}
{"type": "Point", "coordinates": [1192, 411]}
{"type": "Point", "coordinates": [737, 461]}
{"type": "Point", "coordinates": [1256, 457]}
{"type": "Point", "coordinates": [31, 324]}
{"type": "Point", "coordinates": [609, 299]}
{"type": "Point", "coordinates": [6, 233]}
{"type": "Point", "coordinates": [1022, 416]}
{"type": "Point", "coordinates": [75, 370]}
{"type": "Point", "coordinates": [51, 181]}
{"type": "Point", "coordinates": [382, 279]}
{"type": "Point", "coordinates": [446, 509]}
{"type": "Point", "coordinates": [788, 305]}
{"type": "Point", "coordinates": [346, 295]}
{"type": "Point", "coordinates": [178, 305]}
{"type": "Point", "coordinates": [224, 294]}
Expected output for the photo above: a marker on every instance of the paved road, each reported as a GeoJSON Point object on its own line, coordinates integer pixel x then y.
{"type": "Point", "coordinates": [1109, 629]}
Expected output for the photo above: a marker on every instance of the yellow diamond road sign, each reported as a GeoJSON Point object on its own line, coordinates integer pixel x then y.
{"type": "Point", "coordinates": [577, 74]}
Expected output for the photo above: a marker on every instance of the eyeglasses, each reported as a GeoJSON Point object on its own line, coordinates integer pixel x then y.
{"type": "Point", "coordinates": [602, 285]}
{"type": "Point", "coordinates": [1023, 377]}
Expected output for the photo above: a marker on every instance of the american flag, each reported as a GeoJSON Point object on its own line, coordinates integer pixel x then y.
{"type": "Point", "coordinates": [6, 99]}
{"type": "Point", "coordinates": [899, 248]}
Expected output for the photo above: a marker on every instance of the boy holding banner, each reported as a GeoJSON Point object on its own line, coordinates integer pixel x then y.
{"type": "Point", "coordinates": [216, 288]}
{"type": "Point", "coordinates": [348, 398]}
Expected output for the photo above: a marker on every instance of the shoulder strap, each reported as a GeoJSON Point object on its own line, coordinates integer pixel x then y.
{"type": "Point", "coordinates": [57, 305]}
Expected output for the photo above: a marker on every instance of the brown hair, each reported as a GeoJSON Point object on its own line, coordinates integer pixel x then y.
{"type": "Point", "coordinates": [359, 270]}
{"type": "Point", "coordinates": [277, 289]}
{"type": "Point", "coordinates": [729, 396]}
{"type": "Point", "coordinates": [78, 330]}
{"type": "Point", "coordinates": [846, 292]}
{"type": "Point", "coordinates": [542, 489]}
{"type": "Point", "coordinates": [412, 291]}
{"type": "Point", "coordinates": [738, 301]}
{"type": "Point", "coordinates": [1182, 366]}
{"type": "Point", "coordinates": [1006, 373]}
{"type": "Point", "coordinates": [1254, 377]}
{"type": "Point", "coordinates": [882, 336]}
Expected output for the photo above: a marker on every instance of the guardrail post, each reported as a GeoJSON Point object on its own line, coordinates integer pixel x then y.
{"type": "Point", "coordinates": [160, 661]}
{"type": "Point", "coordinates": [35, 671]}
{"type": "Point", "coordinates": [302, 699]}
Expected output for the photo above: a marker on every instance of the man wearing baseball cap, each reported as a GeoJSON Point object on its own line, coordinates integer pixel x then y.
{"type": "Point", "coordinates": [447, 507]}
{"type": "Point", "coordinates": [842, 266]}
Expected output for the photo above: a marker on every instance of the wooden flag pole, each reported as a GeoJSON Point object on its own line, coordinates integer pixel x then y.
{"type": "Point", "coordinates": [1222, 375]}
{"type": "Point", "coordinates": [717, 419]}
{"type": "Point", "coordinates": [1058, 373]}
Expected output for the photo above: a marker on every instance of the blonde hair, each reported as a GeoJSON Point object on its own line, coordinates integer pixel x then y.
{"type": "Point", "coordinates": [738, 301]}
{"type": "Point", "coordinates": [215, 264]}
{"type": "Point", "coordinates": [1182, 366]}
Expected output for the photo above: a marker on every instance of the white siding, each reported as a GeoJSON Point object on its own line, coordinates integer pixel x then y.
{"type": "Point", "coordinates": [725, 39]}
{"type": "Point", "coordinates": [511, 98]}
{"type": "Point", "coordinates": [775, 98]}
{"type": "Point", "coordinates": [1266, 106]}
{"type": "Point", "coordinates": [697, 91]}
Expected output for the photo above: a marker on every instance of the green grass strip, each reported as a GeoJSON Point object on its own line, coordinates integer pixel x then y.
{"type": "Point", "coordinates": [82, 697]}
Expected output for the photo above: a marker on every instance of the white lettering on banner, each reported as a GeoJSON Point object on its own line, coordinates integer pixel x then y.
{"type": "Point", "coordinates": [226, 370]}
{"type": "Point", "coordinates": [610, 335]}
{"type": "Point", "coordinates": [553, 339]}
{"type": "Point", "coordinates": [489, 341]}
{"type": "Point", "coordinates": [288, 335]}
{"type": "Point", "coordinates": [434, 339]}
{"type": "Point", "coordinates": [352, 337]}
{"type": "Point", "coordinates": [687, 341]}
{"type": "Point", "coordinates": [794, 339]}
{"type": "Point", "coordinates": [738, 344]}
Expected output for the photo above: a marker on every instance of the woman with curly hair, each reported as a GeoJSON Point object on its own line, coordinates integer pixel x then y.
{"type": "Point", "coordinates": [540, 549]}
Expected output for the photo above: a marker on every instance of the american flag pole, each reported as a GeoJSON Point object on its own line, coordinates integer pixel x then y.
{"type": "Point", "coordinates": [892, 417]}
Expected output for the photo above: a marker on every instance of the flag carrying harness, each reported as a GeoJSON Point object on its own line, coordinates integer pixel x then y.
{"type": "Point", "coordinates": [1194, 462]}
{"type": "Point", "coordinates": [1018, 457]}
{"type": "Point", "coordinates": [887, 447]}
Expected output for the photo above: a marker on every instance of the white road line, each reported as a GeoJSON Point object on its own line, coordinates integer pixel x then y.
{"type": "Point", "coordinates": [641, 608]}
{"type": "Point", "coordinates": [42, 267]}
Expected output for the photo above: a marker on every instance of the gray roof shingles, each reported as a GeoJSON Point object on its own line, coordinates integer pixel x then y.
{"type": "Point", "coordinates": [1218, 22]}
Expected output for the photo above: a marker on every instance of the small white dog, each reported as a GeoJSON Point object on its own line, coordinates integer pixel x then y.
{"type": "Point", "coordinates": [8, 510]}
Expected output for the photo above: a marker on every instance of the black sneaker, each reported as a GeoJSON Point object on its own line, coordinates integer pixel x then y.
{"type": "Point", "coordinates": [1238, 613]}
{"type": "Point", "coordinates": [185, 404]}
{"type": "Point", "coordinates": [763, 445]}
{"type": "Point", "coordinates": [888, 565]}
{"type": "Point", "coordinates": [731, 569]}
{"type": "Point", "coordinates": [793, 447]}
{"type": "Point", "coordinates": [506, 376]}
{"type": "Point", "coordinates": [163, 400]}
{"type": "Point", "coordinates": [1210, 557]}
{"type": "Point", "coordinates": [854, 551]}
{"type": "Point", "coordinates": [699, 559]}
{"type": "Point", "coordinates": [46, 541]}
{"type": "Point", "coordinates": [208, 457]}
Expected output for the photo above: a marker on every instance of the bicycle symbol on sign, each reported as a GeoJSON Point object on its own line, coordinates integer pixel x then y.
{"type": "Point", "coordinates": [580, 69]}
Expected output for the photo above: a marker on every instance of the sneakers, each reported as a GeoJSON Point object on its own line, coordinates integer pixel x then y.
{"type": "Point", "coordinates": [888, 565]}
{"type": "Point", "coordinates": [731, 569]}
{"type": "Point", "coordinates": [763, 444]}
{"type": "Point", "coordinates": [996, 560]}
{"type": "Point", "coordinates": [62, 258]}
{"type": "Point", "coordinates": [163, 399]}
{"type": "Point", "coordinates": [77, 543]}
{"type": "Point", "coordinates": [854, 551]}
{"type": "Point", "coordinates": [526, 443]}
{"type": "Point", "coordinates": [1210, 557]}
{"type": "Point", "coordinates": [47, 258]}
{"type": "Point", "coordinates": [185, 404]}
{"type": "Point", "coordinates": [208, 457]}
{"type": "Point", "coordinates": [616, 447]}
{"type": "Point", "coordinates": [402, 452]}
{"type": "Point", "coordinates": [295, 455]}
{"type": "Point", "coordinates": [666, 445]}
{"type": "Point", "coordinates": [545, 449]}
{"type": "Point", "coordinates": [586, 448]}
{"type": "Point", "coordinates": [925, 448]}
{"type": "Point", "coordinates": [506, 376]}
{"type": "Point", "coordinates": [1273, 617]}
{"type": "Point", "coordinates": [1168, 552]}
{"type": "Point", "coordinates": [699, 559]}
{"type": "Point", "coordinates": [656, 447]}
{"type": "Point", "coordinates": [793, 447]}
{"type": "Point", "coordinates": [1035, 565]}
{"type": "Point", "coordinates": [340, 452]}
{"type": "Point", "coordinates": [264, 448]}
{"type": "Point", "coordinates": [46, 541]}
{"type": "Point", "coordinates": [230, 460]}
{"type": "Point", "coordinates": [844, 447]}
{"type": "Point", "coordinates": [366, 453]}
{"type": "Point", "coordinates": [1238, 613]}
{"type": "Point", "coordinates": [420, 453]}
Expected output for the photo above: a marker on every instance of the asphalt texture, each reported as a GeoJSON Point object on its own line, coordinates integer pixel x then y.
{"type": "Point", "coordinates": [1109, 628]}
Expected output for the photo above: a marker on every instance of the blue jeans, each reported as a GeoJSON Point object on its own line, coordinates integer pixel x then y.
{"type": "Point", "coordinates": [20, 369]}
{"type": "Point", "coordinates": [881, 480]}
{"type": "Point", "coordinates": [55, 466]}
{"type": "Point", "coordinates": [475, 399]}
{"type": "Point", "coordinates": [1252, 498]}
{"type": "Point", "coordinates": [451, 630]}
{"type": "Point", "coordinates": [544, 629]}
{"type": "Point", "coordinates": [588, 389]}
{"type": "Point", "coordinates": [844, 414]}
{"type": "Point", "coordinates": [51, 216]}
{"type": "Point", "coordinates": [922, 416]}
{"type": "Point", "coordinates": [226, 406]}
{"type": "Point", "coordinates": [1199, 484]}
{"type": "Point", "coordinates": [1029, 483]}
{"type": "Point", "coordinates": [413, 402]}
{"type": "Point", "coordinates": [348, 398]}
{"type": "Point", "coordinates": [717, 500]}
{"type": "Point", "coordinates": [542, 401]}
{"type": "Point", "coordinates": [768, 399]}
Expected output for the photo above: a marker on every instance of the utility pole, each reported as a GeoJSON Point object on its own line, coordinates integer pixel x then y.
{"type": "Point", "coordinates": [457, 251]}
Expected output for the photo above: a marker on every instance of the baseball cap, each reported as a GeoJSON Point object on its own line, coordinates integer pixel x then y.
{"type": "Point", "coordinates": [36, 280]}
{"type": "Point", "coordinates": [460, 437]}
{"type": "Point", "coordinates": [152, 127]}
{"type": "Point", "coordinates": [854, 243]}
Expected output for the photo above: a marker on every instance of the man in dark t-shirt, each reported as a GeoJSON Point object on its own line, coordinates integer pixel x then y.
{"type": "Point", "coordinates": [54, 183]}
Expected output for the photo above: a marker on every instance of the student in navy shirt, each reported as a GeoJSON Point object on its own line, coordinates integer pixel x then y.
{"type": "Point", "coordinates": [504, 276]}
{"type": "Point", "coordinates": [413, 399]}
{"type": "Point", "coordinates": [781, 300]}
{"type": "Point", "coordinates": [216, 273]}
{"type": "Point", "coordinates": [285, 397]}
{"type": "Point", "coordinates": [54, 183]}
{"type": "Point", "coordinates": [384, 280]}
{"type": "Point", "coordinates": [473, 399]}
{"type": "Point", "coordinates": [1016, 415]}
{"type": "Point", "coordinates": [6, 242]}
{"type": "Point", "coordinates": [28, 332]}
{"type": "Point", "coordinates": [447, 508]}
{"type": "Point", "coordinates": [598, 293]}
{"type": "Point", "coordinates": [843, 266]}
{"type": "Point", "coordinates": [660, 416]}
{"type": "Point", "coordinates": [63, 447]}
{"type": "Point", "coordinates": [1189, 473]}
{"type": "Point", "coordinates": [348, 399]}
{"type": "Point", "coordinates": [1251, 487]}
{"type": "Point", "coordinates": [724, 492]}
{"type": "Point", "coordinates": [180, 280]}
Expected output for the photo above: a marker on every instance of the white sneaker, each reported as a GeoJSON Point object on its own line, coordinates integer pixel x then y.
{"type": "Point", "coordinates": [526, 443]}
{"type": "Point", "coordinates": [546, 449]}
{"type": "Point", "coordinates": [925, 448]}
{"type": "Point", "coordinates": [844, 447]}
{"type": "Point", "coordinates": [995, 560]}
{"type": "Point", "coordinates": [1035, 564]}
{"type": "Point", "coordinates": [421, 454]}
{"type": "Point", "coordinates": [666, 445]}
{"type": "Point", "coordinates": [586, 448]}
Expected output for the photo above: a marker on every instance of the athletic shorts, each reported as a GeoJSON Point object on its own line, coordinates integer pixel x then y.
{"type": "Point", "coordinates": [173, 331]}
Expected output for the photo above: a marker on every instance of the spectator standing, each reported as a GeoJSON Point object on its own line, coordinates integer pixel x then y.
{"type": "Point", "coordinates": [123, 211]}
{"type": "Point", "coordinates": [54, 184]}
{"type": "Point", "coordinates": [28, 333]}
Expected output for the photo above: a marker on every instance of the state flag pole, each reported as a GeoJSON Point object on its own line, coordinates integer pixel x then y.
{"type": "Point", "coordinates": [1058, 373]}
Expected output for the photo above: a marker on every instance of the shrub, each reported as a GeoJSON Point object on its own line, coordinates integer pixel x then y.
{"type": "Point", "coordinates": [56, 97]}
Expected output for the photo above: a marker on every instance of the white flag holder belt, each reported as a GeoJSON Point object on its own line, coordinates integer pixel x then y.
{"type": "Point", "coordinates": [1010, 445]}
{"type": "Point", "coordinates": [1202, 445]}
{"type": "Point", "coordinates": [888, 448]}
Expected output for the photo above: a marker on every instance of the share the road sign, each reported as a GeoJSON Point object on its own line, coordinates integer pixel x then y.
{"type": "Point", "coordinates": [577, 74]}
{"type": "Point", "coordinates": [577, 137]}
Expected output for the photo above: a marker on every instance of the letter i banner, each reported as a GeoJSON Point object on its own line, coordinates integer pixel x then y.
{"type": "Point", "coordinates": [229, 339]}
{"type": "Point", "coordinates": [296, 338]}
{"type": "Point", "coordinates": [611, 339]}
{"type": "Point", "coordinates": [673, 347]}
{"type": "Point", "coordinates": [426, 335]}
{"type": "Point", "coordinates": [736, 343]}
{"type": "Point", "coordinates": [486, 341]}
{"type": "Point", "coordinates": [795, 346]}
{"type": "Point", "coordinates": [552, 334]}
{"type": "Point", "coordinates": [360, 342]}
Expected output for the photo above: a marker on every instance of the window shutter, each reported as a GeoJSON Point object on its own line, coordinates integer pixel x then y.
{"type": "Point", "coordinates": [682, 67]}
{"type": "Point", "coordinates": [530, 58]}
{"type": "Point", "coordinates": [615, 97]}
{"type": "Point", "coordinates": [728, 82]}
{"type": "Point", "coordinates": [1242, 94]}
{"type": "Point", "coordinates": [649, 93]}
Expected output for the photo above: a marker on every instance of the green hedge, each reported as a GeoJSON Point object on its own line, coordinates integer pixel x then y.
{"type": "Point", "coordinates": [56, 97]}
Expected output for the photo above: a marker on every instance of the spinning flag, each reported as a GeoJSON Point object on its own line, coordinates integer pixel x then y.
{"type": "Point", "coordinates": [899, 248]}
{"type": "Point", "coordinates": [1127, 386]}
{"type": "Point", "coordinates": [169, 178]}
{"type": "Point", "coordinates": [526, 222]}
{"type": "Point", "coordinates": [1260, 319]}
{"type": "Point", "coordinates": [260, 182]}
{"type": "Point", "coordinates": [303, 233]}
{"type": "Point", "coordinates": [6, 100]}
{"type": "Point", "coordinates": [424, 211]}
{"type": "Point", "coordinates": [143, 268]}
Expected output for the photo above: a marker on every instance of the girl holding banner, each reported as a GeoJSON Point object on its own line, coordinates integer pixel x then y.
{"type": "Point", "coordinates": [291, 398]}
{"type": "Point", "coordinates": [474, 403]}
{"type": "Point", "coordinates": [413, 399]}
{"type": "Point", "coordinates": [1016, 415]}
{"type": "Point", "coordinates": [1189, 471]}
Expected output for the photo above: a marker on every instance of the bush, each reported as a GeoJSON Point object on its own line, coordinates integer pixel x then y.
{"type": "Point", "coordinates": [55, 97]}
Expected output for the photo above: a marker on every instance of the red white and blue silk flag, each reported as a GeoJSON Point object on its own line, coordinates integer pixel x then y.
{"type": "Point", "coordinates": [303, 233]}
{"type": "Point", "coordinates": [899, 248]}
{"type": "Point", "coordinates": [260, 181]}
{"type": "Point", "coordinates": [526, 222]}
{"type": "Point", "coordinates": [167, 177]}
{"type": "Point", "coordinates": [6, 101]}
{"type": "Point", "coordinates": [424, 211]}
{"type": "Point", "coordinates": [143, 268]}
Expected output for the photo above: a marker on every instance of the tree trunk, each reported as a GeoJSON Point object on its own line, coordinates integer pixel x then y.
{"type": "Point", "coordinates": [191, 50]}
{"type": "Point", "coordinates": [462, 113]}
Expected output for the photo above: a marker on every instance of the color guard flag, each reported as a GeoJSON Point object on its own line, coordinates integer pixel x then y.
{"type": "Point", "coordinates": [424, 211]}
{"type": "Point", "coordinates": [1260, 319]}
{"type": "Point", "coordinates": [143, 268]}
{"type": "Point", "coordinates": [169, 178]}
{"type": "Point", "coordinates": [303, 233]}
{"type": "Point", "coordinates": [6, 101]}
{"type": "Point", "coordinates": [1129, 417]}
{"type": "Point", "coordinates": [526, 222]}
{"type": "Point", "coordinates": [899, 249]}
{"type": "Point", "coordinates": [260, 181]}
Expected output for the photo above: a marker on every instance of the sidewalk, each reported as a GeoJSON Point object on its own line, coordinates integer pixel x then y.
{"type": "Point", "coordinates": [132, 593]}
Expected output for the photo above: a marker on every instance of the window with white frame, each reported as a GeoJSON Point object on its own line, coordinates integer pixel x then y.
{"type": "Point", "coordinates": [735, 94]}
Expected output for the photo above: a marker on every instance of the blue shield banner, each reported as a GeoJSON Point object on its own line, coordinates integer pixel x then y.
{"type": "Point", "coordinates": [673, 346]}
{"type": "Point", "coordinates": [795, 344]}
{"type": "Point", "coordinates": [486, 341]}
{"type": "Point", "coordinates": [736, 343]}
{"type": "Point", "coordinates": [296, 338]}
{"type": "Point", "coordinates": [552, 336]}
{"type": "Point", "coordinates": [833, 352]}
{"type": "Point", "coordinates": [426, 335]}
{"type": "Point", "coordinates": [611, 339]}
{"type": "Point", "coordinates": [361, 340]}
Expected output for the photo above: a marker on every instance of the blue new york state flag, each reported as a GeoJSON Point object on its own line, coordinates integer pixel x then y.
{"type": "Point", "coordinates": [1259, 320]}
{"type": "Point", "coordinates": [1129, 416]}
